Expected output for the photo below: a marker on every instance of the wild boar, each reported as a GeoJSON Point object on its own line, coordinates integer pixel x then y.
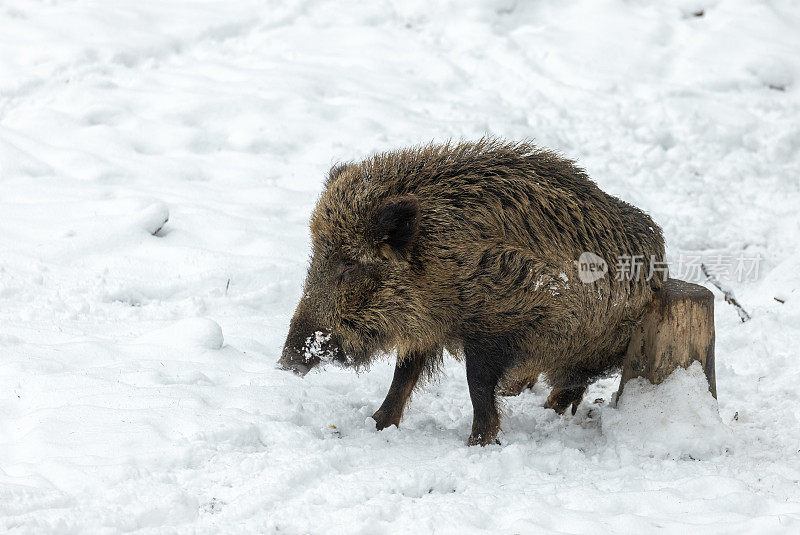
{"type": "Point", "coordinates": [472, 248]}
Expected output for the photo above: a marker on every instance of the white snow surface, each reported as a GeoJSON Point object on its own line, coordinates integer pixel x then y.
{"type": "Point", "coordinates": [123, 408]}
{"type": "Point", "coordinates": [678, 418]}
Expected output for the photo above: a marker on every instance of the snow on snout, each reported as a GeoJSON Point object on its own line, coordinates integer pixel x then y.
{"type": "Point", "coordinates": [315, 347]}
{"type": "Point", "coordinates": [318, 346]}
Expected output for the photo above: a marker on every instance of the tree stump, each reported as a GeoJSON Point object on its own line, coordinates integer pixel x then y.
{"type": "Point", "coordinates": [677, 328]}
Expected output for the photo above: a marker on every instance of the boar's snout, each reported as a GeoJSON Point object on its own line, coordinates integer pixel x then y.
{"type": "Point", "coordinates": [308, 344]}
{"type": "Point", "coordinates": [292, 360]}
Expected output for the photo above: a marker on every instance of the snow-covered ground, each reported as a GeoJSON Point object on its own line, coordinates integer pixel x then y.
{"type": "Point", "coordinates": [123, 408]}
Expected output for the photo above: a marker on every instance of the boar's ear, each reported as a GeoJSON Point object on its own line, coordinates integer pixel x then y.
{"type": "Point", "coordinates": [396, 221]}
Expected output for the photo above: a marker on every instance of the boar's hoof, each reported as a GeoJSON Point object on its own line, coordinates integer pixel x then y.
{"type": "Point", "coordinates": [385, 419]}
{"type": "Point", "coordinates": [514, 387]}
{"type": "Point", "coordinates": [561, 398]}
{"type": "Point", "coordinates": [481, 439]}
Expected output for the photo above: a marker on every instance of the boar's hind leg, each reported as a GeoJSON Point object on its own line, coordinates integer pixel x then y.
{"type": "Point", "coordinates": [406, 375]}
{"type": "Point", "coordinates": [487, 361]}
{"type": "Point", "coordinates": [569, 386]}
{"type": "Point", "coordinates": [561, 398]}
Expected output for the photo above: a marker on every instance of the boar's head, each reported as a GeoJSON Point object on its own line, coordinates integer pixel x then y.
{"type": "Point", "coordinates": [359, 287]}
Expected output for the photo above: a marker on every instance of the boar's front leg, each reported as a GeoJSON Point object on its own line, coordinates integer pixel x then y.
{"type": "Point", "coordinates": [487, 360]}
{"type": "Point", "coordinates": [406, 374]}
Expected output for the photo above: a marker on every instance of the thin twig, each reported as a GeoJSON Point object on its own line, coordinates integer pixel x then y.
{"type": "Point", "coordinates": [727, 293]}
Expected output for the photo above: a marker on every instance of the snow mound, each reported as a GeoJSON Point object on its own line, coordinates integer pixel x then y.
{"type": "Point", "coordinates": [153, 218]}
{"type": "Point", "coordinates": [188, 333]}
{"type": "Point", "coordinates": [773, 73]}
{"type": "Point", "coordinates": [678, 418]}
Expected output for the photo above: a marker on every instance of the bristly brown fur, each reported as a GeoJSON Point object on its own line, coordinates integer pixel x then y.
{"type": "Point", "coordinates": [486, 261]}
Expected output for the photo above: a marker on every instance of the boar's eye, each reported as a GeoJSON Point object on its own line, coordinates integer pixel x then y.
{"type": "Point", "coordinates": [347, 269]}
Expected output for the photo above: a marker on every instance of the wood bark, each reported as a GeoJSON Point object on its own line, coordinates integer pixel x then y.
{"type": "Point", "coordinates": [677, 328]}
